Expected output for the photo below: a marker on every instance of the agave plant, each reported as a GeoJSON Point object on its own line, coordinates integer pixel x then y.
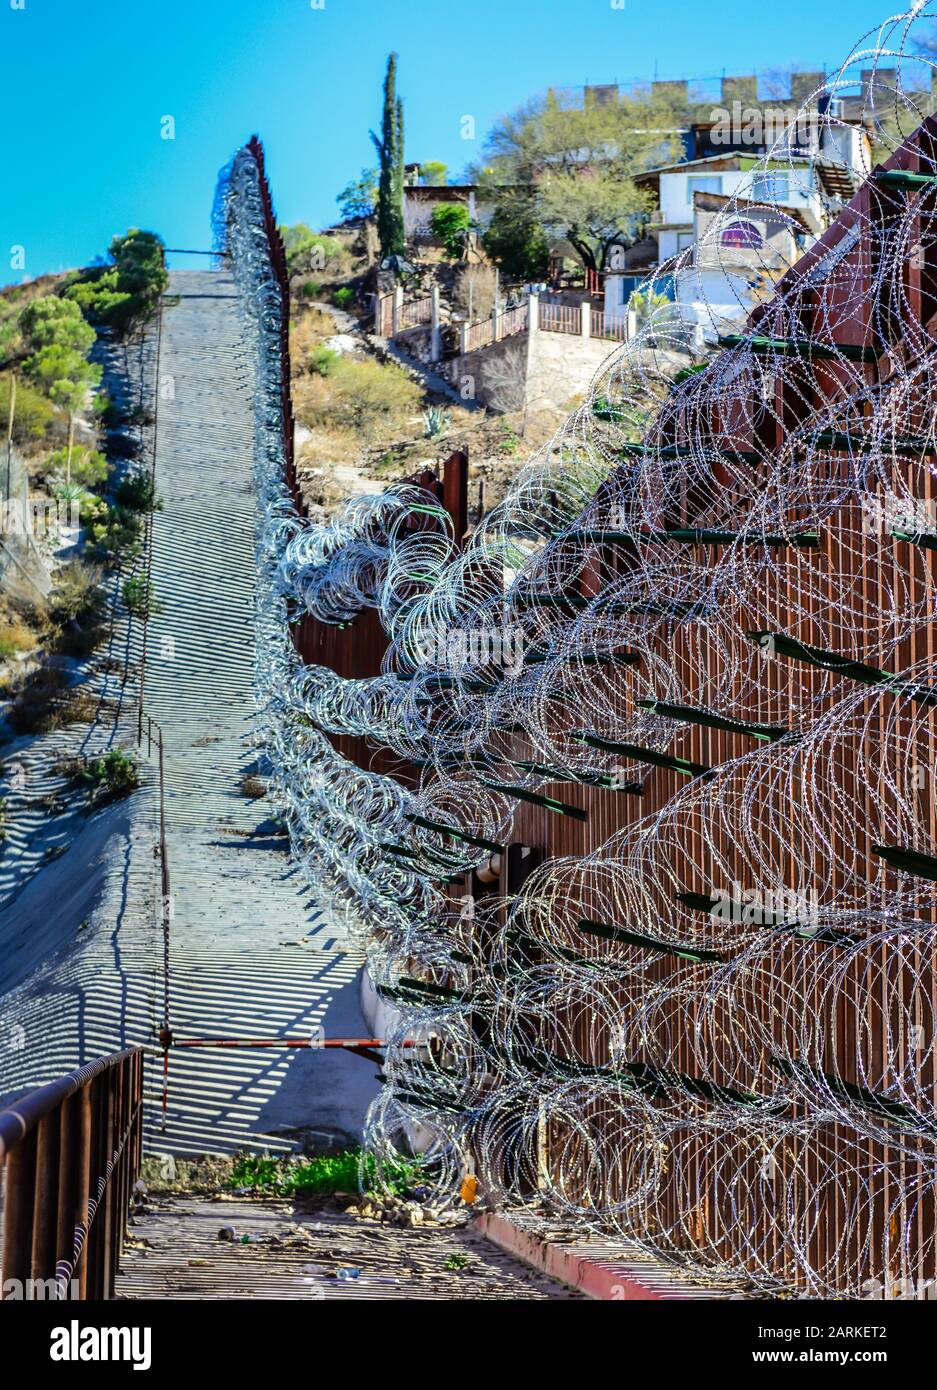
{"type": "Point", "coordinates": [68, 493]}
{"type": "Point", "coordinates": [435, 421]}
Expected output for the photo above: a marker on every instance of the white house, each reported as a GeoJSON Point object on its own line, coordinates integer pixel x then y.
{"type": "Point", "coordinates": [740, 250]}
{"type": "Point", "coordinates": [810, 188]}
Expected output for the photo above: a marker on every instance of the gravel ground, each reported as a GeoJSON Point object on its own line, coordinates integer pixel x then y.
{"type": "Point", "coordinates": [203, 1248]}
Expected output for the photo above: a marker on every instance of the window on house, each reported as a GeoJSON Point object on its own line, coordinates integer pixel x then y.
{"type": "Point", "coordinates": [742, 234]}
{"type": "Point", "coordinates": [702, 183]}
{"type": "Point", "coordinates": [773, 186]}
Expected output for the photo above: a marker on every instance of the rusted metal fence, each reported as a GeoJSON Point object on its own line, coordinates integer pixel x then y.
{"type": "Point", "coordinates": [513, 321]}
{"type": "Point", "coordinates": [70, 1154]}
{"type": "Point", "coordinates": [418, 311]}
{"type": "Point", "coordinates": [614, 329]}
{"type": "Point", "coordinates": [694, 1209]}
{"type": "Point", "coordinates": [478, 335]}
{"type": "Point", "coordinates": [278, 262]}
{"type": "Point", "coordinates": [559, 318]}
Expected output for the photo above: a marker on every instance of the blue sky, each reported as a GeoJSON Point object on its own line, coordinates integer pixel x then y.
{"type": "Point", "coordinates": [86, 83]}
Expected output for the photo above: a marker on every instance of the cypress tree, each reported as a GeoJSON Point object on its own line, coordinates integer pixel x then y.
{"type": "Point", "coordinates": [391, 156]}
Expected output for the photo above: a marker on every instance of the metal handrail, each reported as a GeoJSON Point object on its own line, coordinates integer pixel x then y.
{"type": "Point", "coordinates": [70, 1154]}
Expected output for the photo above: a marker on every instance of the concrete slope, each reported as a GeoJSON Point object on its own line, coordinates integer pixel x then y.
{"type": "Point", "coordinates": [251, 957]}
{"type": "Point", "coordinates": [81, 952]}
{"type": "Point", "coordinates": [80, 944]}
{"type": "Point", "coordinates": [78, 891]}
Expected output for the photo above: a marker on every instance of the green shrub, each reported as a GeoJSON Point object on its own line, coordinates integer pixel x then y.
{"type": "Point", "coordinates": [435, 421]}
{"type": "Point", "coordinates": [60, 339]}
{"type": "Point", "coordinates": [112, 776]}
{"type": "Point", "coordinates": [344, 297]}
{"type": "Point", "coordinates": [136, 493]}
{"type": "Point", "coordinates": [140, 260]}
{"type": "Point", "coordinates": [11, 336]}
{"type": "Point", "coordinates": [449, 223]}
{"type": "Point", "coordinates": [139, 597]}
{"type": "Point", "coordinates": [322, 359]}
{"type": "Point", "coordinates": [390, 465]}
{"type": "Point", "coordinates": [324, 1174]}
{"type": "Point", "coordinates": [16, 636]}
{"type": "Point", "coordinates": [603, 409]}
{"type": "Point", "coordinates": [128, 288]}
{"type": "Point", "coordinates": [63, 374]}
{"type": "Point", "coordinates": [308, 250]}
{"type": "Point", "coordinates": [88, 466]}
{"type": "Point", "coordinates": [55, 322]}
{"type": "Point", "coordinates": [509, 442]}
{"type": "Point", "coordinates": [99, 296]}
{"type": "Point", "coordinates": [114, 534]}
{"type": "Point", "coordinates": [76, 593]}
{"type": "Point", "coordinates": [367, 396]}
{"type": "Point", "coordinates": [33, 415]}
{"type": "Point", "coordinates": [311, 288]}
{"type": "Point", "coordinates": [69, 494]}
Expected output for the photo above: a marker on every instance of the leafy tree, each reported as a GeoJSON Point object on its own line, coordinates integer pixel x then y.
{"type": "Point", "coordinates": [140, 258]}
{"type": "Point", "coordinates": [308, 250]}
{"type": "Point", "coordinates": [515, 239]}
{"type": "Point", "coordinates": [578, 162]}
{"type": "Point", "coordinates": [389, 148]}
{"type": "Point", "coordinates": [99, 299]}
{"type": "Point", "coordinates": [434, 173]}
{"type": "Point", "coordinates": [57, 322]}
{"type": "Point", "coordinates": [359, 197]}
{"type": "Point", "coordinates": [449, 223]}
{"type": "Point", "coordinates": [127, 288]}
{"type": "Point", "coordinates": [60, 338]}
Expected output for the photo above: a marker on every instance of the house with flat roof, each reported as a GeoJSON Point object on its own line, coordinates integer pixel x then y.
{"type": "Point", "coordinates": [419, 200]}
{"type": "Point", "coordinates": [741, 249]}
{"type": "Point", "coordinates": [811, 182]}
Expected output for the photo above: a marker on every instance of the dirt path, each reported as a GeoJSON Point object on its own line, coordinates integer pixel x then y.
{"type": "Point", "coordinates": [176, 1252]}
